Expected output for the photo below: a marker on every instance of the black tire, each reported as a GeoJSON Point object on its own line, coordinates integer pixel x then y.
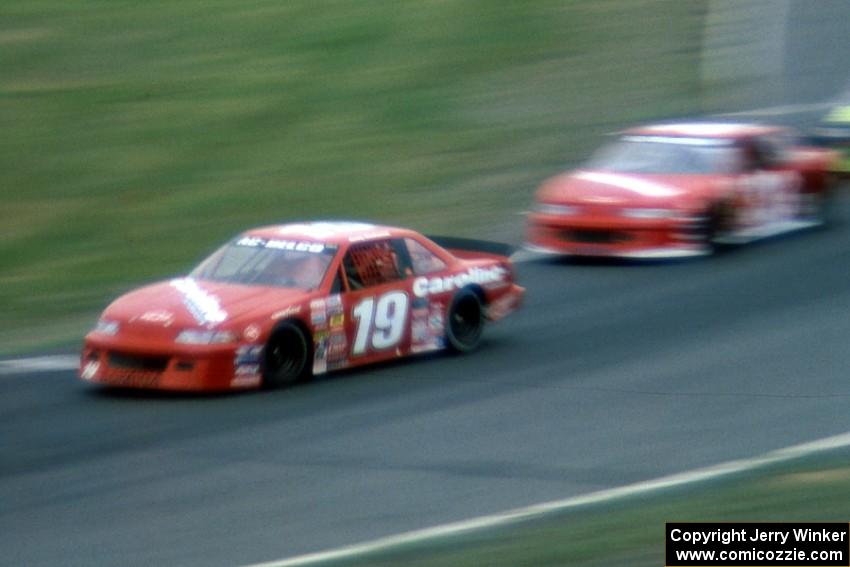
{"type": "Point", "coordinates": [287, 356]}
{"type": "Point", "coordinates": [465, 321]}
{"type": "Point", "coordinates": [818, 206]}
{"type": "Point", "coordinates": [717, 223]}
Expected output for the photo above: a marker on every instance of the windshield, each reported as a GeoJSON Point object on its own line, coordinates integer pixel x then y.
{"type": "Point", "coordinates": [666, 155]}
{"type": "Point", "coordinates": [257, 261]}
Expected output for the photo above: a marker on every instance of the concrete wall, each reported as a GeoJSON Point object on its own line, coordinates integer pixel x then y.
{"type": "Point", "coordinates": [759, 53]}
{"type": "Point", "coordinates": [743, 46]}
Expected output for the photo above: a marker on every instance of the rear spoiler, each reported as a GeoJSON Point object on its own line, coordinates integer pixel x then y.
{"type": "Point", "coordinates": [459, 246]}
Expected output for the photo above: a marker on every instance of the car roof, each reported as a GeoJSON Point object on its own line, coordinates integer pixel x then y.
{"type": "Point", "coordinates": [714, 130]}
{"type": "Point", "coordinates": [328, 232]}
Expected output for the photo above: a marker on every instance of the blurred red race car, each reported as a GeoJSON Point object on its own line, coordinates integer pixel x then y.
{"type": "Point", "coordinates": [680, 189]}
{"type": "Point", "coordinates": [280, 303]}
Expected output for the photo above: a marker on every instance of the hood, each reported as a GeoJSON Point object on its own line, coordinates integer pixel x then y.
{"type": "Point", "coordinates": [164, 309]}
{"type": "Point", "coordinates": [623, 189]}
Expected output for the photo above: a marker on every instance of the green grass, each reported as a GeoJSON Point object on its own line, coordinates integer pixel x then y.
{"type": "Point", "coordinates": [139, 135]}
{"type": "Point", "coordinates": [630, 531]}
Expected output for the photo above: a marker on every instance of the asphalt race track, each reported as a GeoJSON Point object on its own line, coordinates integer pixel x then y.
{"type": "Point", "coordinates": [613, 373]}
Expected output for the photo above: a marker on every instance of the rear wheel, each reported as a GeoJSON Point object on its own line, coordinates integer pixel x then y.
{"type": "Point", "coordinates": [286, 358]}
{"type": "Point", "coordinates": [465, 321]}
{"type": "Point", "coordinates": [817, 205]}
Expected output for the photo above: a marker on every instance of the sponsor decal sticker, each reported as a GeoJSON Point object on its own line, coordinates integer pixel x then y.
{"type": "Point", "coordinates": [248, 354]}
{"type": "Point", "coordinates": [427, 328]}
{"type": "Point", "coordinates": [633, 184]}
{"type": "Point", "coordinates": [334, 305]}
{"type": "Point", "coordinates": [158, 316]}
{"type": "Point", "coordinates": [246, 366]}
{"type": "Point", "coordinates": [419, 330]}
{"type": "Point", "coordinates": [489, 277]}
{"type": "Point", "coordinates": [297, 246]}
{"type": "Point", "coordinates": [435, 323]}
{"type": "Point", "coordinates": [337, 364]}
{"type": "Point", "coordinates": [318, 312]}
{"type": "Point", "coordinates": [320, 352]}
{"type": "Point", "coordinates": [90, 370]}
{"type": "Point", "coordinates": [246, 381]}
{"type": "Point", "coordinates": [251, 332]}
{"type": "Point", "coordinates": [337, 346]}
{"type": "Point", "coordinates": [203, 306]}
{"type": "Point", "coordinates": [247, 369]}
{"type": "Point", "coordinates": [337, 321]}
{"type": "Point", "coordinates": [288, 312]}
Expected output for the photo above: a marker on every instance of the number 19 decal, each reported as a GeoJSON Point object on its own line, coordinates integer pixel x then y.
{"type": "Point", "coordinates": [383, 321]}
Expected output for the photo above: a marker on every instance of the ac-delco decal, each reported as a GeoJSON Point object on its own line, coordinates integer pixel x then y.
{"type": "Point", "coordinates": [298, 246]}
{"type": "Point", "coordinates": [203, 306]}
{"type": "Point", "coordinates": [424, 286]}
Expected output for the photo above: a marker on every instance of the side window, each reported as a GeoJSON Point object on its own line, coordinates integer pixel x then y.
{"type": "Point", "coordinates": [751, 156]}
{"type": "Point", "coordinates": [423, 260]}
{"type": "Point", "coordinates": [369, 264]}
{"type": "Point", "coordinates": [336, 286]}
{"type": "Point", "coordinates": [770, 150]}
{"type": "Point", "coordinates": [777, 146]}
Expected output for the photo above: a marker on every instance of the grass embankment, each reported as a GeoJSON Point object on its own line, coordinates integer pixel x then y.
{"type": "Point", "coordinates": [630, 531]}
{"type": "Point", "coordinates": [139, 135]}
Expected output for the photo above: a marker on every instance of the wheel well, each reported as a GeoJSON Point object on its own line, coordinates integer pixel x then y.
{"type": "Point", "coordinates": [717, 207]}
{"type": "Point", "coordinates": [479, 291]}
{"type": "Point", "coordinates": [271, 379]}
{"type": "Point", "coordinates": [720, 211]}
{"type": "Point", "coordinates": [308, 336]}
{"type": "Point", "coordinates": [466, 341]}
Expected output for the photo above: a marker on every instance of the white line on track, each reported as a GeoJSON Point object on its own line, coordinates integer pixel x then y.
{"type": "Point", "coordinates": [39, 364]}
{"type": "Point", "coordinates": [538, 510]}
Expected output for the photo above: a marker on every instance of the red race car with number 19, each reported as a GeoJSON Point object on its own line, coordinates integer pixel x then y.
{"type": "Point", "coordinates": [280, 303]}
{"type": "Point", "coordinates": [680, 190]}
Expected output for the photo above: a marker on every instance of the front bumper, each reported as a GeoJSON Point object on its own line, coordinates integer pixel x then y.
{"type": "Point", "coordinates": [172, 367]}
{"type": "Point", "coordinates": [615, 237]}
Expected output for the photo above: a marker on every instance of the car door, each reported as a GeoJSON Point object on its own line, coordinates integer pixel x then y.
{"type": "Point", "coordinates": [771, 187]}
{"type": "Point", "coordinates": [376, 305]}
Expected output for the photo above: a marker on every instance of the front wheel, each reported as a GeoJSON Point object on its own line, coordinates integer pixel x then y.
{"type": "Point", "coordinates": [286, 357]}
{"type": "Point", "coordinates": [717, 223]}
{"type": "Point", "coordinates": [465, 321]}
{"type": "Point", "coordinates": [817, 206]}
